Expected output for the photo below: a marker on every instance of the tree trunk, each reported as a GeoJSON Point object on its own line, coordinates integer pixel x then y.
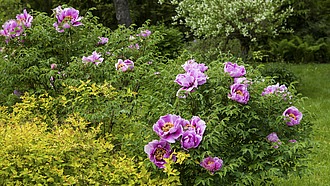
{"type": "Point", "coordinates": [122, 12]}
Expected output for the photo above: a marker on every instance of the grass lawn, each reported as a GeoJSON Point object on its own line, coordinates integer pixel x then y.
{"type": "Point", "coordinates": [315, 86]}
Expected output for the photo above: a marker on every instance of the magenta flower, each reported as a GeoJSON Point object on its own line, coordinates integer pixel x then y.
{"type": "Point", "coordinates": [95, 58]}
{"type": "Point", "coordinates": [294, 115]}
{"type": "Point", "coordinates": [242, 81]}
{"type": "Point", "coordinates": [274, 89]}
{"type": "Point", "coordinates": [191, 64]}
{"type": "Point", "coordinates": [273, 138]}
{"type": "Point", "coordinates": [212, 164]}
{"type": "Point", "coordinates": [234, 70]}
{"type": "Point", "coordinates": [292, 141]}
{"type": "Point", "coordinates": [195, 124]}
{"type": "Point", "coordinates": [25, 19]}
{"type": "Point", "coordinates": [169, 127]}
{"type": "Point", "coordinates": [157, 151]}
{"type": "Point", "coordinates": [239, 93]}
{"type": "Point", "coordinates": [103, 40]}
{"type": "Point", "coordinates": [144, 33]}
{"type": "Point", "coordinates": [11, 29]}
{"type": "Point", "coordinates": [124, 65]}
{"type": "Point", "coordinates": [190, 139]}
{"type": "Point", "coordinates": [67, 17]}
{"type": "Point", "coordinates": [53, 66]}
{"type": "Point", "coordinates": [190, 80]}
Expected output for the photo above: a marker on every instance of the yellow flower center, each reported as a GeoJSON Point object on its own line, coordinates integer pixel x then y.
{"type": "Point", "coordinates": [119, 66]}
{"type": "Point", "coordinates": [210, 162]}
{"type": "Point", "coordinates": [159, 153]}
{"type": "Point", "coordinates": [239, 92]}
{"type": "Point", "coordinates": [293, 116]}
{"type": "Point", "coordinates": [270, 92]}
{"type": "Point", "coordinates": [167, 127]}
{"type": "Point", "coordinates": [190, 126]}
{"type": "Point", "coordinates": [69, 17]}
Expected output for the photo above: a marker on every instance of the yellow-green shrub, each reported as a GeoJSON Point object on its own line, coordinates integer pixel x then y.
{"type": "Point", "coordinates": [32, 153]}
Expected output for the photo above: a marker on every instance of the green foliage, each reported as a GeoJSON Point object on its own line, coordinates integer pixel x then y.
{"type": "Point", "coordinates": [171, 42]}
{"type": "Point", "coordinates": [281, 74]}
{"type": "Point", "coordinates": [297, 50]}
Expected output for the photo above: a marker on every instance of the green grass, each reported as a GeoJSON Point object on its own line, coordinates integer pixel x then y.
{"type": "Point", "coordinates": [315, 86]}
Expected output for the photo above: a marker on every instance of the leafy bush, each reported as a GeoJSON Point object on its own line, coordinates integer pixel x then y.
{"type": "Point", "coordinates": [281, 74]}
{"type": "Point", "coordinates": [129, 90]}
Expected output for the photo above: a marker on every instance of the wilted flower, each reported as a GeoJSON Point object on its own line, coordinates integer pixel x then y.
{"type": "Point", "coordinates": [53, 66]}
{"type": "Point", "coordinates": [294, 115]}
{"type": "Point", "coordinates": [103, 40]}
{"type": "Point", "coordinates": [144, 33]}
{"type": "Point", "coordinates": [273, 138]}
{"type": "Point", "coordinates": [18, 93]}
{"type": "Point", "coordinates": [95, 58]}
{"type": "Point", "coordinates": [157, 151]}
{"type": "Point", "coordinates": [239, 93]}
{"type": "Point", "coordinates": [190, 139]}
{"type": "Point", "coordinates": [234, 70]}
{"type": "Point", "coordinates": [169, 127]}
{"type": "Point", "coordinates": [191, 64]}
{"type": "Point", "coordinates": [195, 124]}
{"type": "Point", "coordinates": [212, 164]}
{"type": "Point", "coordinates": [124, 65]}
{"type": "Point", "coordinates": [24, 19]}
{"type": "Point", "coordinates": [131, 38]}
{"type": "Point", "coordinates": [66, 16]}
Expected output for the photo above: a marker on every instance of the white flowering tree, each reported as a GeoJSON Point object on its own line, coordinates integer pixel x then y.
{"type": "Point", "coordinates": [243, 19]}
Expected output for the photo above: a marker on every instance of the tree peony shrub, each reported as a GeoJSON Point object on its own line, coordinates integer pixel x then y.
{"type": "Point", "coordinates": [217, 133]}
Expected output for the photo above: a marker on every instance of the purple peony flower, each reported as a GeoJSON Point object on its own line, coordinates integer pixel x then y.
{"type": "Point", "coordinates": [212, 164]}
{"type": "Point", "coordinates": [144, 33]}
{"type": "Point", "coordinates": [169, 127]}
{"type": "Point", "coordinates": [104, 40]}
{"type": "Point", "coordinates": [273, 138]}
{"type": "Point", "coordinates": [190, 139]}
{"type": "Point", "coordinates": [53, 66]}
{"type": "Point", "coordinates": [234, 70]}
{"type": "Point", "coordinates": [66, 16]}
{"type": "Point", "coordinates": [274, 89]}
{"type": "Point", "coordinates": [11, 29]}
{"type": "Point", "coordinates": [294, 115]}
{"type": "Point", "coordinates": [195, 124]}
{"type": "Point", "coordinates": [190, 80]}
{"type": "Point", "coordinates": [95, 58]}
{"type": "Point", "coordinates": [242, 81]}
{"type": "Point", "coordinates": [24, 19]}
{"type": "Point", "coordinates": [124, 65]}
{"type": "Point", "coordinates": [157, 151]}
{"type": "Point", "coordinates": [191, 64]}
{"type": "Point", "coordinates": [292, 141]}
{"type": "Point", "coordinates": [239, 93]}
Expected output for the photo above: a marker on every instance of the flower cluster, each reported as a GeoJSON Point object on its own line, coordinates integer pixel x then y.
{"type": "Point", "coordinates": [238, 91]}
{"type": "Point", "coordinates": [277, 90]}
{"type": "Point", "coordinates": [144, 33]}
{"type": "Point", "coordinates": [170, 128]}
{"type": "Point", "coordinates": [95, 58]}
{"type": "Point", "coordinates": [193, 77]}
{"type": "Point", "coordinates": [136, 46]}
{"type": "Point", "coordinates": [66, 18]}
{"type": "Point", "coordinates": [13, 28]}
